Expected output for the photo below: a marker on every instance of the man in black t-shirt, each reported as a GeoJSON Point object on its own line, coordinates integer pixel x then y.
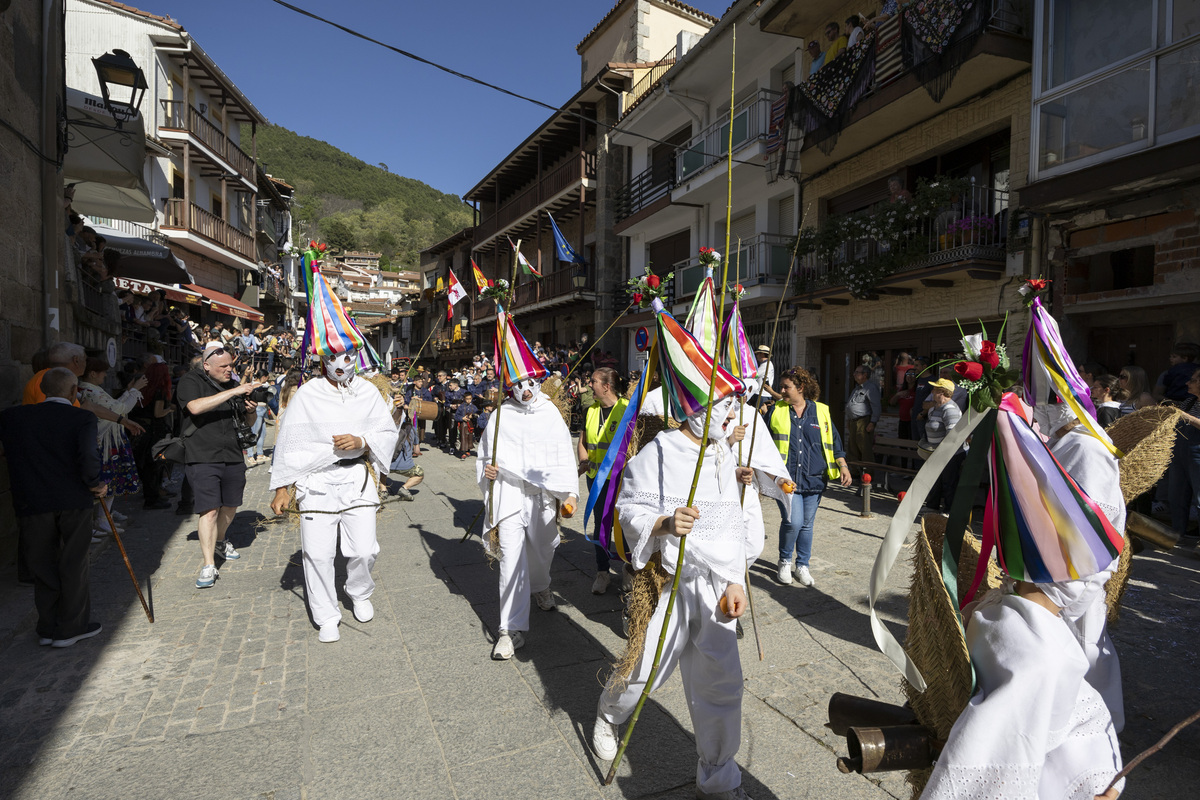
{"type": "Point", "coordinates": [213, 460]}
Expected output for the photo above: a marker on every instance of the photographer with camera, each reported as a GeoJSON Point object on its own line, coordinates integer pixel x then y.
{"type": "Point", "coordinates": [218, 416]}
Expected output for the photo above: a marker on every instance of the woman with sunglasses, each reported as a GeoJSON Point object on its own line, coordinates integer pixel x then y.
{"type": "Point", "coordinates": [1132, 380]}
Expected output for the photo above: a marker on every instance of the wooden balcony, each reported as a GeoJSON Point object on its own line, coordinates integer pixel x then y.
{"type": "Point", "coordinates": [179, 116]}
{"type": "Point", "coordinates": [207, 225]}
{"type": "Point", "coordinates": [556, 288]}
{"type": "Point", "coordinates": [569, 176]}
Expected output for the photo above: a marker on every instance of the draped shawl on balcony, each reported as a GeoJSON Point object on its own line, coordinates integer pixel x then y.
{"type": "Point", "coordinates": [937, 37]}
{"type": "Point", "coordinates": [822, 104]}
{"type": "Point", "coordinates": [784, 139]}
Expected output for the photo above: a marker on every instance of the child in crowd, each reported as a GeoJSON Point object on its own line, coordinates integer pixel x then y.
{"type": "Point", "coordinates": [481, 420]}
{"type": "Point", "coordinates": [464, 417]}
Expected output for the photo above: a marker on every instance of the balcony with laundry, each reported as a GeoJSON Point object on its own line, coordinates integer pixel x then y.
{"type": "Point", "coordinates": [902, 70]}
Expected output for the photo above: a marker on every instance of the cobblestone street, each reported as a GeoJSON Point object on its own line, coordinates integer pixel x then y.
{"type": "Point", "coordinates": [229, 695]}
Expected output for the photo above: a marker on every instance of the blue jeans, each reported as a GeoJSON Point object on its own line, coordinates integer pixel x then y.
{"type": "Point", "coordinates": [1183, 481]}
{"type": "Point", "coordinates": [796, 534]}
{"type": "Point", "coordinates": [260, 429]}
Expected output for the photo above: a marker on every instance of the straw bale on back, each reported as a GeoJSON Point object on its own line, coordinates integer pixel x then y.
{"type": "Point", "coordinates": [934, 641]}
{"type": "Point", "coordinates": [553, 388]}
{"type": "Point", "coordinates": [648, 584]}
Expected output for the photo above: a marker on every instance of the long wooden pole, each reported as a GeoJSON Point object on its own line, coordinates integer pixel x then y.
{"type": "Point", "coordinates": [124, 555]}
{"type": "Point", "coordinates": [412, 367]}
{"type": "Point", "coordinates": [662, 636]}
{"type": "Point", "coordinates": [595, 342]}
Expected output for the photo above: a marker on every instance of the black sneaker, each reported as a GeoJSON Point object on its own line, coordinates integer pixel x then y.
{"type": "Point", "coordinates": [93, 628]}
{"type": "Point", "coordinates": [156, 505]}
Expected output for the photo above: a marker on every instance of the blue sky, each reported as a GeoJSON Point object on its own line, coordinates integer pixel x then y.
{"type": "Point", "coordinates": [382, 107]}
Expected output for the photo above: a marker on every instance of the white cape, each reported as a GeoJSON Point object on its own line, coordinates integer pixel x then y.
{"type": "Point", "coordinates": [534, 455]}
{"type": "Point", "coordinates": [317, 412]}
{"type": "Point", "coordinates": [1035, 730]}
{"type": "Point", "coordinates": [657, 481]}
{"type": "Point", "coordinates": [768, 466]}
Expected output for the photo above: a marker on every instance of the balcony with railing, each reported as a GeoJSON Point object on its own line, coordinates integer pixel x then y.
{"type": "Point", "coordinates": [751, 119]}
{"type": "Point", "coordinates": [649, 80]}
{"type": "Point", "coordinates": [180, 116]}
{"type": "Point", "coordinates": [761, 260]}
{"type": "Point", "coordinates": [190, 217]}
{"type": "Point", "coordinates": [274, 287]}
{"type": "Point", "coordinates": [568, 176]}
{"type": "Point", "coordinates": [555, 288]}
{"type": "Point", "coordinates": [967, 236]}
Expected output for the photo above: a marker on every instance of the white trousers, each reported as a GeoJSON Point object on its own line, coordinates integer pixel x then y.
{"type": "Point", "coordinates": [703, 643]}
{"type": "Point", "coordinates": [319, 540]}
{"type": "Point", "coordinates": [527, 542]}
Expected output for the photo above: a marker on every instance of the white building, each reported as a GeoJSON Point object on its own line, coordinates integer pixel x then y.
{"type": "Point", "coordinates": [201, 174]}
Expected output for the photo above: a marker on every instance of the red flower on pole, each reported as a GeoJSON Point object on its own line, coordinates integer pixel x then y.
{"type": "Point", "coordinates": [988, 354]}
{"type": "Point", "coordinates": [321, 247]}
{"type": "Point", "coordinates": [971, 370]}
{"type": "Point", "coordinates": [1038, 284]}
{"type": "Point", "coordinates": [653, 281]}
{"type": "Point", "coordinates": [312, 243]}
{"type": "Point", "coordinates": [637, 297]}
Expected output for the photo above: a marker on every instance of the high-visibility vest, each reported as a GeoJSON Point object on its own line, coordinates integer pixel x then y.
{"type": "Point", "coordinates": [781, 431]}
{"type": "Point", "coordinates": [595, 438]}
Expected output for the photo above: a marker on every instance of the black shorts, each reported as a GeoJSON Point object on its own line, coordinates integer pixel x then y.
{"type": "Point", "coordinates": [216, 485]}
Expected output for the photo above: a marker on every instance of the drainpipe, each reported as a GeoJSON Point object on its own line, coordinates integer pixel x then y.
{"type": "Point", "coordinates": [52, 207]}
{"type": "Point", "coordinates": [755, 16]}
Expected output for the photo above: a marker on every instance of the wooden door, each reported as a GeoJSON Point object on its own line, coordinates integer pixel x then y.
{"type": "Point", "coordinates": [1145, 346]}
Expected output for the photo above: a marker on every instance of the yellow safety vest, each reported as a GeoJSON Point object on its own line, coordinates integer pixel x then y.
{"type": "Point", "coordinates": [595, 440]}
{"type": "Point", "coordinates": [781, 431]}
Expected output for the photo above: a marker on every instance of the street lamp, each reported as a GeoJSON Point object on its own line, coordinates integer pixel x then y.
{"type": "Point", "coordinates": [122, 84]}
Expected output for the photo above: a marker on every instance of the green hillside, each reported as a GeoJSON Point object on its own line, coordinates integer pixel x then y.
{"type": "Point", "coordinates": [354, 205]}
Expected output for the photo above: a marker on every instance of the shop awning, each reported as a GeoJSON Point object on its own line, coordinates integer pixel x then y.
{"type": "Point", "coordinates": [105, 164]}
{"type": "Point", "coordinates": [173, 293]}
{"type": "Point", "coordinates": [224, 304]}
{"type": "Point", "coordinates": [142, 259]}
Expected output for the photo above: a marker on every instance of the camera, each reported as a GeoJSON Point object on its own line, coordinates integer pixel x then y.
{"type": "Point", "coordinates": [260, 394]}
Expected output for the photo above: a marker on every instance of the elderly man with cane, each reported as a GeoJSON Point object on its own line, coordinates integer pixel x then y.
{"type": "Point", "coordinates": [54, 466]}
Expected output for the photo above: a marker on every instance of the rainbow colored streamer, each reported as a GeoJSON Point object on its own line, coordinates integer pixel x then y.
{"type": "Point", "coordinates": [607, 483]}
{"type": "Point", "coordinates": [737, 355]}
{"type": "Point", "coordinates": [515, 357]}
{"type": "Point", "coordinates": [686, 368]}
{"type": "Point", "coordinates": [1043, 527]}
{"type": "Point", "coordinates": [702, 318]}
{"type": "Point", "coordinates": [1047, 367]}
{"type": "Point", "coordinates": [330, 329]}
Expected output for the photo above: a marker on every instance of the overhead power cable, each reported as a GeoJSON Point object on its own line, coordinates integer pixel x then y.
{"type": "Point", "coordinates": [492, 86]}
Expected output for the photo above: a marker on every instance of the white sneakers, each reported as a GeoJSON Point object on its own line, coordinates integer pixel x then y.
{"type": "Point", "coordinates": [604, 739]}
{"type": "Point", "coordinates": [506, 644]}
{"type": "Point", "coordinates": [329, 632]}
{"type": "Point", "coordinates": [545, 599]}
{"type": "Point", "coordinates": [802, 574]}
{"type": "Point", "coordinates": [364, 611]}
{"type": "Point", "coordinates": [600, 585]}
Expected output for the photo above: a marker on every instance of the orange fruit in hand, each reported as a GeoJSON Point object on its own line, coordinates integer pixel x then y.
{"type": "Point", "coordinates": [724, 604]}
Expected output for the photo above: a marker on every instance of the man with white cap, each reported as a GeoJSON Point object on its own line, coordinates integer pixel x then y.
{"type": "Point", "coordinates": [763, 382]}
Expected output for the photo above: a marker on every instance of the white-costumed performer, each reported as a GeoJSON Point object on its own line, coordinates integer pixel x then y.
{"type": "Point", "coordinates": [1090, 464]}
{"type": "Point", "coordinates": [535, 470]}
{"type": "Point", "coordinates": [701, 639]}
{"type": "Point", "coordinates": [335, 426]}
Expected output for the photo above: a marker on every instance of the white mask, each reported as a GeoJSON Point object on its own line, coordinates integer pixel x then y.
{"type": "Point", "coordinates": [722, 413]}
{"type": "Point", "coordinates": [347, 362]}
{"type": "Point", "coordinates": [527, 385]}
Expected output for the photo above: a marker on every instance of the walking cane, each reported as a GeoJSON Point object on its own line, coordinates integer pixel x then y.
{"type": "Point", "coordinates": [124, 555]}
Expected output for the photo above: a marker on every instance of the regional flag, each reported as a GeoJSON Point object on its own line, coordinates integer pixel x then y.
{"type": "Point", "coordinates": [456, 292]}
{"type": "Point", "coordinates": [523, 262]}
{"type": "Point", "coordinates": [564, 251]}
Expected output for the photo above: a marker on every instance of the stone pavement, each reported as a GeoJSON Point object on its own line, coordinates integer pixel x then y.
{"type": "Point", "coordinates": [229, 695]}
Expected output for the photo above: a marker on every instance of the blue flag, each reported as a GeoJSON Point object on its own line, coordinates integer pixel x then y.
{"type": "Point", "coordinates": [564, 251]}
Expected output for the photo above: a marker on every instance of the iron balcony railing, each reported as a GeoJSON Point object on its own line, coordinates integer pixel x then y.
{"type": "Point", "coordinates": [762, 259]}
{"type": "Point", "coordinates": [973, 228]}
{"type": "Point", "coordinates": [650, 79]}
{"type": "Point", "coordinates": [751, 119]}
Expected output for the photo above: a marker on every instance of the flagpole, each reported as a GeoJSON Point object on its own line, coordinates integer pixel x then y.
{"type": "Point", "coordinates": [512, 288]}
{"type": "Point", "coordinates": [662, 636]}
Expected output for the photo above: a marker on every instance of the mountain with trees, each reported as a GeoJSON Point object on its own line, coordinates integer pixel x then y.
{"type": "Point", "coordinates": [353, 205]}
